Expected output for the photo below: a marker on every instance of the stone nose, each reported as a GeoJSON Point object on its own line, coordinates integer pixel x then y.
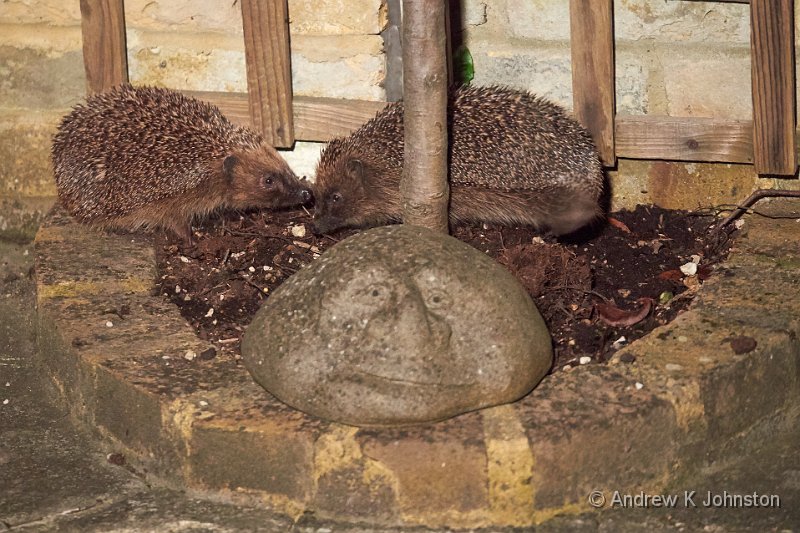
{"type": "Point", "coordinates": [427, 328]}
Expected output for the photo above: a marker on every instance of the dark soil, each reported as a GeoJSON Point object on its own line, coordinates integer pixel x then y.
{"type": "Point", "coordinates": [586, 287]}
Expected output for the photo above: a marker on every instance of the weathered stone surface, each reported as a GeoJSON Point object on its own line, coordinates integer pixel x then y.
{"type": "Point", "coordinates": [336, 66]}
{"type": "Point", "coordinates": [398, 325]}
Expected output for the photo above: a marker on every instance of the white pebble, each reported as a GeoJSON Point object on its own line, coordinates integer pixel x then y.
{"type": "Point", "coordinates": [585, 360]}
{"type": "Point", "coordinates": [689, 269]}
{"type": "Point", "coordinates": [203, 403]}
{"type": "Point", "coordinates": [184, 259]}
{"type": "Point", "coordinates": [190, 355]}
{"type": "Point", "coordinates": [672, 367]}
{"type": "Point", "coordinates": [299, 230]}
{"type": "Point", "coordinates": [5, 402]}
{"type": "Point", "coordinates": [639, 386]}
{"type": "Point", "coordinates": [537, 240]}
{"type": "Point", "coordinates": [109, 324]}
{"type": "Point", "coordinates": [251, 269]}
{"type": "Point", "coordinates": [8, 383]}
{"type": "Point", "coordinates": [177, 289]}
{"type": "Point", "coordinates": [739, 224]}
{"type": "Point", "coordinates": [210, 313]}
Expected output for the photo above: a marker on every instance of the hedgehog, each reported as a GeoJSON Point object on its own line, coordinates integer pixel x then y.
{"type": "Point", "coordinates": [514, 159]}
{"type": "Point", "coordinates": [144, 157]}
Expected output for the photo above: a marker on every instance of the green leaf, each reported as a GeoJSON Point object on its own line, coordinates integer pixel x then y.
{"type": "Point", "coordinates": [463, 67]}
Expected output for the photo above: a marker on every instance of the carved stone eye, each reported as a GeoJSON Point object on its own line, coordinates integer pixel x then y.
{"type": "Point", "coordinates": [437, 299]}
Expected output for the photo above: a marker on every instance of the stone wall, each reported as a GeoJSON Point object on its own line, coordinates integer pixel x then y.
{"type": "Point", "coordinates": [674, 57]}
{"type": "Point", "coordinates": [181, 44]}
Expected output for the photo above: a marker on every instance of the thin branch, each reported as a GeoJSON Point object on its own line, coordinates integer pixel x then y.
{"type": "Point", "coordinates": [753, 198]}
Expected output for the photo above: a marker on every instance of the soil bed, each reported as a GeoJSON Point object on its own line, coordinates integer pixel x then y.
{"type": "Point", "coordinates": [586, 287]}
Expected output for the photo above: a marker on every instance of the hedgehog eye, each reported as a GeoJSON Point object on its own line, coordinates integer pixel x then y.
{"type": "Point", "coordinates": [268, 181]}
{"type": "Point", "coordinates": [336, 197]}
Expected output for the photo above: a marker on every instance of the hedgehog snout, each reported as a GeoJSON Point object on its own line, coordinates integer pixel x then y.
{"type": "Point", "coordinates": [305, 195]}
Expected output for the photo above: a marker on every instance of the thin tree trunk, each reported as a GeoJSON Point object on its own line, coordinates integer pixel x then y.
{"type": "Point", "coordinates": [424, 187]}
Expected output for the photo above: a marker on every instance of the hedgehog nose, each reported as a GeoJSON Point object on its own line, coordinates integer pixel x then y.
{"type": "Point", "coordinates": [305, 196]}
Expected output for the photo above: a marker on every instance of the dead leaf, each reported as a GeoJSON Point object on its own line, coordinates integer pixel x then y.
{"type": "Point", "coordinates": [671, 275]}
{"type": "Point", "coordinates": [618, 224]}
{"type": "Point", "coordinates": [704, 272]}
{"type": "Point", "coordinates": [614, 316]}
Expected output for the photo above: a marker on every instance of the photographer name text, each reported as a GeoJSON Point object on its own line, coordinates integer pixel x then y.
{"type": "Point", "coordinates": [691, 498]}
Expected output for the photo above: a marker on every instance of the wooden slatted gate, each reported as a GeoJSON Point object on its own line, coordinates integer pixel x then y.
{"type": "Point", "coordinates": [769, 141]}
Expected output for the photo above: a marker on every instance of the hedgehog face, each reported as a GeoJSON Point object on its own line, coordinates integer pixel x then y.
{"type": "Point", "coordinates": [261, 178]}
{"type": "Point", "coordinates": [352, 191]}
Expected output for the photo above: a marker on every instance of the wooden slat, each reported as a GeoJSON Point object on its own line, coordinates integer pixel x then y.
{"type": "Point", "coordinates": [684, 139]}
{"type": "Point", "coordinates": [592, 44]}
{"type": "Point", "coordinates": [316, 119]}
{"type": "Point", "coordinates": [637, 136]}
{"type": "Point", "coordinates": [269, 74]}
{"type": "Point", "coordinates": [772, 64]}
{"type": "Point", "coordinates": [104, 53]}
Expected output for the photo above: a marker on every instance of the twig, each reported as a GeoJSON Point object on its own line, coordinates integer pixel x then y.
{"type": "Point", "coordinates": [752, 199]}
{"type": "Point", "coordinates": [260, 290]}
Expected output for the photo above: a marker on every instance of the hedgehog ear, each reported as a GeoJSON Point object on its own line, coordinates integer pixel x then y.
{"type": "Point", "coordinates": [355, 169]}
{"type": "Point", "coordinates": [228, 164]}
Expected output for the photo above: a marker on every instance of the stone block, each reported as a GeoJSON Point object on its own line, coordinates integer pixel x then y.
{"type": "Point", "coordinates": [469, 13]}
{"type": "Point", "coordinates": [339, 67]}
{"type": "Point", "coordinates": [677, 185]}
{"type": "Point", "coordinates": [335, 67]}
{"type": "Point", "coordinates": [541, 20]}
{"type": "Point", "coordinates": [706, 83]}
{"type": "Point", "coordinates": [20, 218]}
{"type": "Point", "coordinates": [54, 12]}
{"type": "Point", "coordinates": [52, 40]}
{"type": "Point", "coordinates": [440, 472]}
{"type": "Point", "coordinates": [25, 169]}
{"type": "Point", "coordinates": [700, 22]}
{"type": "Point", "coordinates": [632, 75]}
{"type": "Point", "coordinates": [185, 67]}
{"type": "Point", "coordinates": [339, 17]}
{"type": "Point", "coordinates": [40, 79]}
{"type": "Point", "coordinates": [543, 70]}
{"type": "Point", "coordinates": [272, 461]}
{"type": "Point", "coordinates": [185, 16]}
{"type": "Point", "coordinates": [303, 158]}
{"type": "Point", "coordinates": [336, 17]}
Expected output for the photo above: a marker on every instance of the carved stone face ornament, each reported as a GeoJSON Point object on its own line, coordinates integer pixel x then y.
{"type": "Point", "coordinates": [398, 325]}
